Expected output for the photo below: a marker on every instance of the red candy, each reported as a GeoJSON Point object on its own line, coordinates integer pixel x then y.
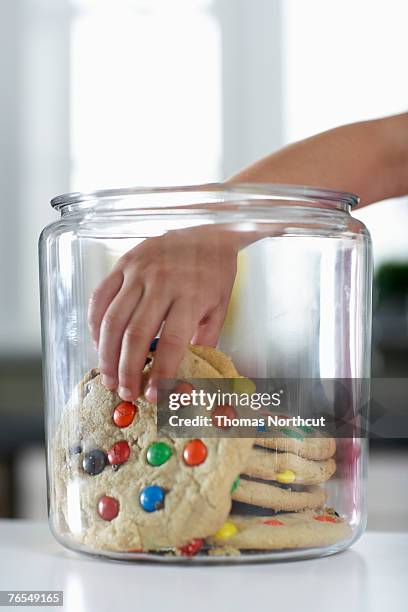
{"type": "Point", "coordinates": [325, 519]}
{"type": "Point", "coordinates": [225, 410]}
{"type": "Point", "coordinates": [119, 453]}
{"type": "Point", "coordinates": [272, 522]}
{"type": "Point", "coordinates": [124, 414]}
{"type": "Point", "coordinates": [192, 548]}
{"type": "Point", "coordinates": [108, 508]}
{"type": "Point", "coordinates": [195, 452]}
{"type": "Point", "coordinates": [136, 550]}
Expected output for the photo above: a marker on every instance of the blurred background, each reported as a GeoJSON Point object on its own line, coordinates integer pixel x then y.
{"type": "Point", "coordinates": [109, 93]}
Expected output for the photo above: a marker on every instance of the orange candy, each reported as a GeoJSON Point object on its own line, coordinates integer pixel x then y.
{"type": "Point", "coordinates": [326, 519]}
{"type": "Point", "coordinates": [135, 550]}
{"type": "Point", "coordinates": [272, 522]}
{"type": "Point", "coordinates": [195, 452]}
{"type": "Point", "coordinates": [124, 414]}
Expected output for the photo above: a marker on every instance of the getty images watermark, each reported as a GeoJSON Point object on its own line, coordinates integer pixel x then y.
{"type": "Point", "coordinates": [267, 407]}
{"type": "Point", "coordinates": [207, 412]}
{"type": "Point", "coordinates": [215, 402]}
{"type": "Point", "coordinates": [210, 400]}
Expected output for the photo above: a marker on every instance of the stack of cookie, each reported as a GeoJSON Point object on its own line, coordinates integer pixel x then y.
{"type": "Point", "coordinates": [279, 503]}
{"type": "Point", "coordinates": [284, 473]}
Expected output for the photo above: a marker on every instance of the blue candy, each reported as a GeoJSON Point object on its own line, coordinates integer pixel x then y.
{"type": "Point", "coordinates": [153, 345]}
{"type": "Point", "coordinates": [152, 498]}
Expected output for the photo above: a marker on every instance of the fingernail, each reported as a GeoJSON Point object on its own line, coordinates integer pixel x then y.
{"type": "Point", "coordinates": [109, 382]}
{"type": "Point", "coordinates": [151, 394]}
{"type": "Point", "coordinates": [125, 394]}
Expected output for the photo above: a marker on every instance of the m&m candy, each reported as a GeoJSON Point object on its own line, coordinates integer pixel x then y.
{"type": "Point", "coordinates": [119, 453]}
{"type": "Point", "coordinates": [192, 548]}
{"type": "Point", "coordinates": [158, 453]}
{"type": "Point", "coordinates": [94, 462]}
{"type": "Point", "coordinates": [242, 385]}
{"type": "Point", "coordinates": [108, 508]}
{"type": "Point", "coordinates": [124, 414]}
{"type": "Point", "coordinates": [235, 484]}
{"type": "Point", "coordinates": [291, 433]}
{"type": "Point", "coordinates": [75, 450]}
{"type": "Point", "coordinates": [195, 453]}
{"type": "Point", "coordinates": [152, 498]}
{"type": "Point", "coordinates": [286, 477]}
{"type": "Point", "coordinates": [306, 428]}
{"type": "Point", "coordinates": [324, 518]}
{"type": "Point", "coordinates": [226, 531]}
{"type": "Point", "coordinates": [274, 522]}
{"type": "Point", "coordinates": [135, 550]}
{"type": "Point", "coordinates": [261, 428]}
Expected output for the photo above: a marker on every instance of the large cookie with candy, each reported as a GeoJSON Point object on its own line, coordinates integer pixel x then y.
{"type": "Point", "coordinates": [120, 487]}
{"type": "Point", "coordinates": [287, 468]}
{"type": "Point", "coordinates": [285, 531]}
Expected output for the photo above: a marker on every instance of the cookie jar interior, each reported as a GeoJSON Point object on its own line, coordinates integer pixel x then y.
{"type": "Point", "coordinates": [299, 311]}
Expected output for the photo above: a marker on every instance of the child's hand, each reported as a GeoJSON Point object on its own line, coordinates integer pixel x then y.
{"type": "Point", "coordinates": [178, 284]}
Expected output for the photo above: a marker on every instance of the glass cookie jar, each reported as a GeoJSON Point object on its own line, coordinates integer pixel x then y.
{"type": "Point", "coordinates": [278, 469]}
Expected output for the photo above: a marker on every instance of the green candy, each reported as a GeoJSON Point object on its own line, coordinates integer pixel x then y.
{"type": "Point", "coordinates": [291, 433]}
{"type": "Point", "coordinates": [235, 484]}
{"type": "Point", "coordinates": [158, 453]}
{"type": "Point", "coordinates": [306, 428]}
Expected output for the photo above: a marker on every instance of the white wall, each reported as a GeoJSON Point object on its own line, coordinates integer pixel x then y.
{"type": "Point", "coordinates": [252, 80]}
{"type": "Point", "coordinates": [34, 153]}
{"type": "Point", "coordinates": [346, 61]}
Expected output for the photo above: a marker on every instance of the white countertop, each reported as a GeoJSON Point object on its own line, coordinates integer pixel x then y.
{"type": "Point", "coordinates": [370, 577]}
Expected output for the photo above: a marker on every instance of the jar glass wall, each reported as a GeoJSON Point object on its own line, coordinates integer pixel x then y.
{"type": "Point", "coordinates": [298, 322]}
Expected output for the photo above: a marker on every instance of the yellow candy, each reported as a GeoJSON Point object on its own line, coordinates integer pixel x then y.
{"type": "Point", "coordinates": [243, 385]}
{"type": "Point", "coordinates": [226, 531]}
{"type": "Point", "coordinates": [286, 477]}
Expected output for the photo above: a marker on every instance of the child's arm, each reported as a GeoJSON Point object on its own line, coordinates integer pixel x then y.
{"type": "Point", "coordinates": [368, 158]}
{"type": "Point", "coordinates": [180, 283]}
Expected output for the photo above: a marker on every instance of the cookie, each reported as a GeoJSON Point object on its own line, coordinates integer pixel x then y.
{"type": "Point", "coordinates": [277, 497]}
{"type": "Point", "coordinates": [218, 360]}
{"type": "Point", "coordinates": [287, 468]}
{"type": "Point", "coordinates": [119, 487]}
{"type": "Point", "coordinates": [303, 441]}
{"type": "Point", "coordinates": [285, 531]}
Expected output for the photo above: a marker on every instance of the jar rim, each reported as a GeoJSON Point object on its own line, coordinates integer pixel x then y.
{"type": "Point", "coordinates": [279, 191]}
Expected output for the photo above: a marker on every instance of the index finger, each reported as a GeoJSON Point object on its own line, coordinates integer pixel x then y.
{"type": "Point", "coordinates": [181, 323]}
